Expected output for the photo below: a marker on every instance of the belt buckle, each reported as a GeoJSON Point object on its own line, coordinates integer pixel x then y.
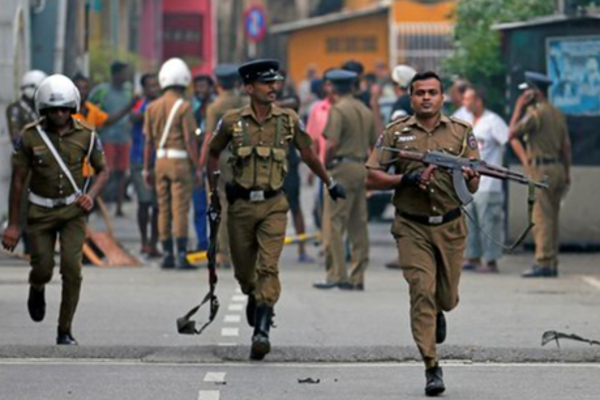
{"type": "Point", "coordinates": [257, 195]}
{"type": "Point", "coordinates": [436, 219]}
{"type": "Point", "coordinates": [59, 202]}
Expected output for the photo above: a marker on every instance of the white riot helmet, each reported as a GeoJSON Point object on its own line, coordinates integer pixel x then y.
{"type": "Point", "coordinates": [30, 82]}
{"type": "Point", "coordinates": [174, 72]}
{"type": "Point", "coordinates": [57, 91]}
{"type": "Point", "coordinates": [403, 74]}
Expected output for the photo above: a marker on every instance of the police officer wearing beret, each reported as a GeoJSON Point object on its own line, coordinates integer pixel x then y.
{"type": "Point", "coordinates": [228, 98]}
{"type": "Point", "coordinates": [53, 150]}
{"type": "Point", "coordinates": [547, 156]}
{"type": "Point", "coordinates": [260, 136]}
{"type": "Point", "coordinates": [429, 228]}
{"type": "Point", "coordinates": [350, 134]}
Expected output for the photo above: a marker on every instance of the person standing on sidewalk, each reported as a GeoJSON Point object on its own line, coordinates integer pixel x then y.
{"type": "Point", "coordinates": [350, 134]}
{"type": "Point", "coordinates": [486, 211]}
{"type": "Point", "coordinates": [147, 212]}
{"type": "Point", "coordinates": [429, 228]}
{"type": "Point", "coordinates": [53, 150]}
{"type": "Point", "coordinates": [548, 156]}
{"type": "Point", "coordinates": [260, 135]}
{"type": "Point", "coordinates": [170, 130]}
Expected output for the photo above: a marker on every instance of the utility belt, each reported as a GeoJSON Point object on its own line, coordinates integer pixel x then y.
{"type": "Point", "coordinates": [433, 220]}
{"type": "Point", "coordinates": [52, 203]}
{"type": "Point", "coordinates": [236, 192]}
{"type": "Point", "coordinates": [543, 161]}
{"type": "Point", "coordinates": [172, 154]}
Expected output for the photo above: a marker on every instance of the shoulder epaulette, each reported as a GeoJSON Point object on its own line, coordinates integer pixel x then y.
{"type": "Point", "coordinates": [460, 121]}
{"type": "Point", "coordinates": [85, 124]}
{"type": "Point", "coordinates": [397, 121]}
{"type": "Point", "coordinates": [31, 124]}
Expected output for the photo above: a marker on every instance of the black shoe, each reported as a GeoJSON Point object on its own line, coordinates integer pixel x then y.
{"type": "Point", "coordinates": [251, 310]}
{"type": "Point", "coordinates": [540, 272]}
{"type": "Point", "coordinates": [168, 261]}
{"type": "Point", "coordinates": [440, 328]}
{"type": "Point", "coordinates": [182, 262]}
{"type": "Point", "coordinates": [260, 340]}
{"type": "Point", "coordinates": [360, 287]}
{"type": "Point", "coordinates": [435, 381]}
{"type": "Point", "coordinates": [65, 338]}
{"type": "Point", "coordinates": [346, 286]}
{"type": "Point", "coordinates": [325, 285]}
{"type": "Point", "coordinates": [36, 304]}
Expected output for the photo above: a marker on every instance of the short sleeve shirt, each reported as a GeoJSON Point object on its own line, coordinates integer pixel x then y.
{"type": "Point", "coordinates": [450, 136]}
{"type": "Point", "coordinates": [491, 133]}
{"type": "Point", "coordinates": [47, 178]}
{"type": "Point", "coordinates": [111, 100]}
{"type": "Point", "coordinates": [19, 114]}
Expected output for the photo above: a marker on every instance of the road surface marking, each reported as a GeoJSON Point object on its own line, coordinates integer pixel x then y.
{"type": "Point", "coordinates": [209, 395]}
{"type": "Point", "coordinates": [235, 307]}
{"type": "Point", "coordinates": [226, 344]}
{"type": "Point", "coordinates": [595, 282]}
{"type": "Point", "coordinates": [230, 332]}
{"type": "Point", "coordinates": [239, 298]}
{"type": "Point", "coordinates": [218, 377]}
{"type": "Point", "coordinates": [232, 318]}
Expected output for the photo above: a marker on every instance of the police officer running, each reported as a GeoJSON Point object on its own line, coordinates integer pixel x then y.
{"type": "Point", "coordinates": [170, 127]}
{"type": "Point", "coordinates": [260, 136]}
{"type": "Point", "coordinates": [428, 227]}
{"type": "Point", "coordinates": [54, 150]}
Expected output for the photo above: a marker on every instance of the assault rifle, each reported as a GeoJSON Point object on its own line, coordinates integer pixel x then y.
{"type": "Point", "coordinates": [455, 164]}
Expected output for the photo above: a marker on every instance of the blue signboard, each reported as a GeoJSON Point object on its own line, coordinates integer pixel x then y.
{"type": "Point", "coordinates": [574, 67]}
{"type": "Point", "coordinates": [255, 23]}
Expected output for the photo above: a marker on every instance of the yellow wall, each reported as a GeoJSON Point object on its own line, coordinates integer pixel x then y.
{"type": "Point", "coordinates": [309, 46]}
{"type": "Point", "coordinates": [411, 11]}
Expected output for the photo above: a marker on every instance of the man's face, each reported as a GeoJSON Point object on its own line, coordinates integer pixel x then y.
{"type": "Point", "coordinates": [471, 101]}
{"type": "Point", "coordinates": [262, 92]}
{"type": "Point", "coordinates": [59, 117]}
{"type": "Point", "coordinates": [84, 89]}
{"type": "Point", "coordinates": [121, 77]}
{"type": "Point", "coordinates": [426, 98]}
{"type": "Point", "coordinates": [202, 90]}
{"type": "Point", "coordinates": [151, 88]}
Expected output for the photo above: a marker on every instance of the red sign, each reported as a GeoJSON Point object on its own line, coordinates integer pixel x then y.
{"type": "Point", "coordinates": [255, 23]}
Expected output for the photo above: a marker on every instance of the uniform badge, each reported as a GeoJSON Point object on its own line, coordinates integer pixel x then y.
{"type": "Point", "coordinates": [379, 141]}
{"type": "Point", "coordinates": [407, 138]}
{"type": "Point", "coordinates": [18, 146]}
{"type": "Point", "coordinates": [98, 144]}
{"type": "Point", "coordinates": [406, 129]}
{"type": "Point", "coordinates": [472, 141]}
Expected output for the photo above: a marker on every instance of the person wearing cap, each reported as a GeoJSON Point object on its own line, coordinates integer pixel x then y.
{"type": "Point", "coordinates": [228, 98]}
{"type": "Point", "coordinates": [429, 227]}
{"type": "Point", "coordinates": [350, 134]}
{"type": "Point", "coordinates": [547, 156]}
{"type": "Point", "coordinates": [111, 97]}
{"type": "Point", "coordinates": [402, 75]}
{"type": "Point", "coordinates": [170, 131]}
{"type": "Point", "coordinates": [260, 136]}
{"type": "Point", "coordinates": [53, 150]}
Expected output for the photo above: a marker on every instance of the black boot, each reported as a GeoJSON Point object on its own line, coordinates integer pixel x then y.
{"type": "Point", "coordinates": [36, 304]}
{"type": "Point", "coordinates": [66, 338]}
{"type": "Point", "coordinates": [182, 262]}
{"type": "Point", "coordinates": [260, 341]}
{"type": "Point", "coordinates": [168, 260]}
{"type": "Point", "coordinates": [251, 310]}
{"type": "Point", "coordinates": [435, 381]}
{"type": "Point", "coordinates": [440, 328]}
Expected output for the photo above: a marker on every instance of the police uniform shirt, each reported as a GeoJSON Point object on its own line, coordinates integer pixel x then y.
{"type": "Point", "coordinates": [352, 126]}
{"type": "Point", "coordinates": [156, 116]}
{"type": "Point", "coordinates": [47, 178]}
{"type": "Point", "coordinates": [544, 129]}
{"type": "Point", "coordinates": [450, 136]}
{"type": "Point", "coordinates": [226, 101]}
{"type": "Point", "coordinates": [19, 114]}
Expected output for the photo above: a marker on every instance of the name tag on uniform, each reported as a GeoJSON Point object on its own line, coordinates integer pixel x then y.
{"type": "Point", "coordinates": [257, 195]}
{"type": "Point", "coordinates": [406, 138]}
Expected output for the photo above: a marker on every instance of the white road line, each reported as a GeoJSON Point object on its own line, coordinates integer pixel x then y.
{"type": "Point", "coordinates": [215, 377]}
{"type": "Point", "coordinates": [209, 395]}
{"type": "Point", "coordinates": [595, 282]}
{"type": "Point", "coordinates": [230, 332]}
{"type": "Point", "coordinates": [235, 307]}
{"type": "Point", "coordinates": [239, 298]}
{"type": "Point", "coordinates": [226, 344]}
{"type": "Point", "coordinates": [232, 318]}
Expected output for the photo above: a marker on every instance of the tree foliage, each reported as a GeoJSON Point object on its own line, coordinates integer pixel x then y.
{"type": "Point", "coordinates": [477, 53]}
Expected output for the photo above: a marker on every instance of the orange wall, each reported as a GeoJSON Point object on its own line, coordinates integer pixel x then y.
{"type": "Point", "coordinates": [358, 4]}
{"type": "Point", "coordinates": [411, 11]}
{"type": "Point", "coordinates": [309, 46]}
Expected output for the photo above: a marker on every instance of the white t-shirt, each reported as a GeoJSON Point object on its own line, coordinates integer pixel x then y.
{"type": "Point", "coordinates": [464, 114]}
{"type": "Point", "coordinates": [491, 133]}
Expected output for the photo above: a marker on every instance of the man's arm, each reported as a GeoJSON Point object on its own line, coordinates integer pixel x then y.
{"type": "Point", "coordinates": [11, 236]}
{"type": "Point", "coordinates": [116, 116]}
{"type": "Point", "coordinates": [380, 180]}
{"type": "Point", "coordinates": [565, 153]}
{"type": "Point", "coordinates": [519, 150]}
{"type": "Point", "coordinates": [522, 102]}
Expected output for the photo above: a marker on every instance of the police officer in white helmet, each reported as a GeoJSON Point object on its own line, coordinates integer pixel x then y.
{"type": "Point", "coordinates": [170, 130]}
{"type": "Point", "coordinates": [52, 151]}
{"type": "Point", "coordinates": [402, 75]}
{"type": "Point", "coordinates": [22, 111]}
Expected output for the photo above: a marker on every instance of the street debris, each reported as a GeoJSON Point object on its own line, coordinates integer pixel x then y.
{"type": "Point", "coordinates": [550, 336]}
{"type": "Point", "coordinates": [309, 380]}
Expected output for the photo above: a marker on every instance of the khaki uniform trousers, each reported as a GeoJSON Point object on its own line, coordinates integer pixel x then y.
{"type": "Point", "coordinates": [546, 213]}
{"type": "Point", "coordinates": [347, 215]}
{"type": "Point", "coordinates": [256, 236]}
{"type": "Point", "coordinates": [226, 176]}
{"type": "Point", "coordinates": [174, 186]}
{"type": "Point", "coordinates": [44, 226]}
{"type": "Point", "coordinates": [431, 258]}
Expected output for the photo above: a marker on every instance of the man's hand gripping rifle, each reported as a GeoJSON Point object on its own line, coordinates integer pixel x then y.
{"type": "Point", "coordinates": [455, 165]}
